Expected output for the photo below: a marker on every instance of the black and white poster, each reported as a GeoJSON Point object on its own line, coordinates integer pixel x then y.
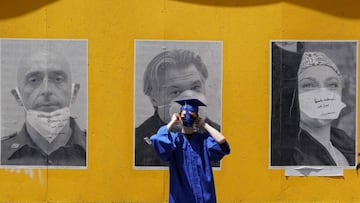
{"type": "Point", "coordinates": [43, 103]}
{"type": "Point", "coordinates": [313, 104]}
{"type": "Point", "coordinates": [164, 71]}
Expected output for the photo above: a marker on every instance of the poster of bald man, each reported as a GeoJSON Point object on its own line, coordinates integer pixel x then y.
{"type": "Point", "coordinates": [43, 103]}
{"type": "Point", "coordinates": [166, 71]}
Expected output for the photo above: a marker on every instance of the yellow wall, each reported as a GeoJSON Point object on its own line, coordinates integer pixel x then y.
{"type": "Point", "coordinates": [111, 26]}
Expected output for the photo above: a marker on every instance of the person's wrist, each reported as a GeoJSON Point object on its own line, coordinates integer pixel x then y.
{"type": "Point", "coordinates": [170, 124]}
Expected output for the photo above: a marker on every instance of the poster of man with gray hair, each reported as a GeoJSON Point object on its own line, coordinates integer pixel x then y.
{"type": "Point", "coordinates": [166, 70]}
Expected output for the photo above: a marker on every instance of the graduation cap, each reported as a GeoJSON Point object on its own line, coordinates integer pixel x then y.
{"type": "Point", "coordinates": [190, 105]}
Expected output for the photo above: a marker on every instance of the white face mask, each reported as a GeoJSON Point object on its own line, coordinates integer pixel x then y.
{"type": "Point", "coordinates": [321, 104]}
{"type": "Point", "coordinates": [163, 112]}
{"type": "Point", "coordinates": [48, 124]}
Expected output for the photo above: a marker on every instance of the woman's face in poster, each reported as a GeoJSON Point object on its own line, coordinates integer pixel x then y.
{"type": "Point", "coordinates": [316, 78]}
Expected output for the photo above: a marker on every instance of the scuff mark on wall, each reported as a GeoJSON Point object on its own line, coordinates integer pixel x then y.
{"type": "Point", "coordinates": [30, 172]}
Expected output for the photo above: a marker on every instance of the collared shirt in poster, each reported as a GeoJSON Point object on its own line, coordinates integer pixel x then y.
{"type": "Point", "coordinates": [19, 149]}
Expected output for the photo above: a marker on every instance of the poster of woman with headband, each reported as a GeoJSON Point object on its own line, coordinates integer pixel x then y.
{"type": "Point", "coordinates": [313, 104]}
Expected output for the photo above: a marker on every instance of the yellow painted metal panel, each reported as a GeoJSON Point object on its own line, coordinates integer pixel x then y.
{"type": "Point", "coordinates": [111, 26]}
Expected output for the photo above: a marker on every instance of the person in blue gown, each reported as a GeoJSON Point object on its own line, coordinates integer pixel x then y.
{"type": "Point", "coordinates": [190, 154]}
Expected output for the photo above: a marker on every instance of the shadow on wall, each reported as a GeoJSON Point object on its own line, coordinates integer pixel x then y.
{"type": "Point", "coordinates": [10, 9]}
{"type": "Point", "coordinates": [344, 8]}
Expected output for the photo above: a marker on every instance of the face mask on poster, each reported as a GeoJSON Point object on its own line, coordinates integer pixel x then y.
{"type": "Point", "coordinates": [321, 104]}
{"type": "Point", "coordinates": [48, 124]}
{"type": "Point", "coordinates": [163, 112]}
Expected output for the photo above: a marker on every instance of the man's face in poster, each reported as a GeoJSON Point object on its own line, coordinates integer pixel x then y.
{"type": "Point", "coordinates": [173, 81]}
{"type": "Point", "coordinates": [44, 82]}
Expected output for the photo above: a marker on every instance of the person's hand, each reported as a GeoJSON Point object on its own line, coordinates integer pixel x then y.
{"type": "Point", "coordinates": [175, 119]}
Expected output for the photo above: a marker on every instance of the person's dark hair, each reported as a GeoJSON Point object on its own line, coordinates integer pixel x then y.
{"type": "Point", "coordinates": [179, 58]}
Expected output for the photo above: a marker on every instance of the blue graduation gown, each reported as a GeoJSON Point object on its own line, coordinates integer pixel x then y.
{"type": "Point", "coordinates": [191, 177]}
